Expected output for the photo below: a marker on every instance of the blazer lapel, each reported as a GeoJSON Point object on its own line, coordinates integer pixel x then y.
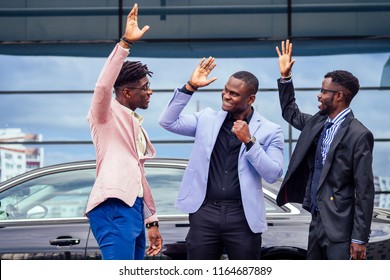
{"type": "Point", "coordinates": [255, 122]}
{"type": "Point", "coordinates": [336, 141]}
{"type": "Point", "coordinates": [218, 121]}
{"type": "Point", "coordinates": [254, 126]}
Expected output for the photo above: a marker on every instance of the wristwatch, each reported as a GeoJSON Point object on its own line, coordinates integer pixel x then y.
{"type": "Point", "coordinates": [251, 142]}
{"type": "Point", "coordinates": [253, 139]}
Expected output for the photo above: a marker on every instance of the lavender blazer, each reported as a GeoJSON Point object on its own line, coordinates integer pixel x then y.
{"type": "Point", "coordinates": [263, 160]}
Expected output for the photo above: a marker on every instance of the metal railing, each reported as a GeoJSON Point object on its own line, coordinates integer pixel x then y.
{"type": "Point", "coordinates": [289, 141]}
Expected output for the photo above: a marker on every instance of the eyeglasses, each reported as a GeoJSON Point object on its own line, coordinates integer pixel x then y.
{"type": "Point", "coordinates": [145, 87]}
{"type": "Point", "coordinates": [324, 90]}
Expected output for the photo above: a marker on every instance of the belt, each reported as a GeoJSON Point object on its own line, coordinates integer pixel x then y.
{"type": "Point", "coordinates": [224, 202]}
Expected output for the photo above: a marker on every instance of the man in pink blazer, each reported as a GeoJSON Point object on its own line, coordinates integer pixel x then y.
{"type": "Point", "coordinates": [121, 205]}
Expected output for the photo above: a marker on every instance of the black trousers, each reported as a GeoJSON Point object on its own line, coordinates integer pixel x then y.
{"type": "Point", "coordinates": [320, 247]}
{"type": "Point", "coordinates": [218, 227]}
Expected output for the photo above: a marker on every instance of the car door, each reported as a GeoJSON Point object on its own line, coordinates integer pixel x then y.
{"type": "Point", "coordinates": [43, 217]}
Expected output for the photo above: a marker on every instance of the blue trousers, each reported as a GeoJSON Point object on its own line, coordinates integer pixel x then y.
{"type": "Point", "coordinates": [119, 229]}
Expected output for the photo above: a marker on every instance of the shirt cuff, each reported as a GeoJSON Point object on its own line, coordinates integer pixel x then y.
{"type": "Point", "coordinates": [151, 219]}
{"type": "Point", "coordinates": [249, 145]}
{"type": "Point", "coordinates": [357, 241]}
{"type": "Point", "coordinates": [283, 81]}
{"type": "Point", "coordinates": [185, 90]}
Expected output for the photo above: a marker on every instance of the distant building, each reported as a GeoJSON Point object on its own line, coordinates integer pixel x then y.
{"type": "Point", "coordinates": [382, 190]}
{"type": "Point", "coordinates": [385, 80]}
{"type": "Point", "coordinates": [17, 158]}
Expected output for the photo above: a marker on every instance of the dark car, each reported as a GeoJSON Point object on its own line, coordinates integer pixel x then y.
{"type": "Point", "coordinates": [42, 216]}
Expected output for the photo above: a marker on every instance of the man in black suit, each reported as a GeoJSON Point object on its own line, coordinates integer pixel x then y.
{"type": "Point", "coordinates": [334, 181]}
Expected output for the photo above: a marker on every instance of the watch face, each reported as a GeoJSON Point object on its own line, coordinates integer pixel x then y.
{"type": "Point", "coordinates": [253, 139]}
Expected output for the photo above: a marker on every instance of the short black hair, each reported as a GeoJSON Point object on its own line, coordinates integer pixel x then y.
{"type": "Point", "coordinates": [131, 72]}
{"type": "Point", "coordinates": [250, 79]}
{"type": "Point", "coordinates": [346, 80]}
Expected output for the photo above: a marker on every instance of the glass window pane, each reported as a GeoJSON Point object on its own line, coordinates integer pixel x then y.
{"type": "Point", "coordinates": [164, 184]}
{"type": "Point", "coordinates": [61, 195]}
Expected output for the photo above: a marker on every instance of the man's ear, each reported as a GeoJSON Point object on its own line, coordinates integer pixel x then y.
{"type": "Point", "coordinates": [125, 92]}
{"type": "Point", "coordinates": [251, 99]}
{"type": "Point", "coordinates": [341, 96]}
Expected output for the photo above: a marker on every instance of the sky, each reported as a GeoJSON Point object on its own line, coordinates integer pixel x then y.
{"type": "Point", "coordinates": [63, 116]}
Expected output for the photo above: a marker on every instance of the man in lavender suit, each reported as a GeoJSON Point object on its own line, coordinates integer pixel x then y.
{"type": "Point", "coordinates": [234, 149]}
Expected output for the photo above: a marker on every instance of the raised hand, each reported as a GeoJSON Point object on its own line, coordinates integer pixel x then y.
{"type": "Point", "coordinates": [285, 61]}
{"type": "Point", "coordinates": [132, 32]}
{"type": "Point", "coordinates": [199, 77]}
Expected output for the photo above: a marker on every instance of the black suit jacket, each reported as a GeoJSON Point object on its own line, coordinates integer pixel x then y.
{"type": "Point", "coordinates": [345, 191]}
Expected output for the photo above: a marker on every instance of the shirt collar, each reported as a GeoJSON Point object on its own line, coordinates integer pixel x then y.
{"type": "Point", "coordinates": [131, 112]}
{"type": "Point", "coordinates": [137, 116]}
{"type": "Point", "coordinates": [340, 116]}
{"type": "Point", "coordinates": [247, 119]}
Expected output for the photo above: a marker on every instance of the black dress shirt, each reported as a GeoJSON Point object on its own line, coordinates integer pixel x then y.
{"type": "Point", "coordinates": [223, 181]}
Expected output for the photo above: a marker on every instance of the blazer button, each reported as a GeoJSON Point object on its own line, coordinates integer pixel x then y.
{"type": "Point", "coordinates": [331, 198]}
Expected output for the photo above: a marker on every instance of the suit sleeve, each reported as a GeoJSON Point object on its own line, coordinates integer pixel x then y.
{"type": "Point", "coordinates": [268, 159]}
{"type": "Point", "coordinates": [290, 110]}
{"type": "Point", "coordinates": [102, 96]}
{"type": "Point", "coordinates": [364, 187]}
{"type": "Point", "coordinates": [172, 118]}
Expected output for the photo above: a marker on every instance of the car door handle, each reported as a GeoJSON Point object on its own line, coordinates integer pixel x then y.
{"type": "Point", "coordinates": [65, 241]}
{"type": "Point", "coordinates": [182, 225]}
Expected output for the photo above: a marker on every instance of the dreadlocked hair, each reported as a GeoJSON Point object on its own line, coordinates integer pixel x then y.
{"type": "Point", "coordinates": [131, 71]}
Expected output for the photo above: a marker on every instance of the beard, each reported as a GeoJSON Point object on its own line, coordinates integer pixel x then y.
{"type": "Point", "coordinates": [326, 107]}
{"type": "Point", "coordinates": [323, 112]}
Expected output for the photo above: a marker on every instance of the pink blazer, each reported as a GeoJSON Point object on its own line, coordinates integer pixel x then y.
{"type": "Point", "coordinates": [113, 129]}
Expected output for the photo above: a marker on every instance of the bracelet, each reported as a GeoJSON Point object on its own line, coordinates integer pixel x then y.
{"type": "Point", "coordinates": [152, 224]}
{"type": "Point", "coordinates": [286, 78]}
{"type": "Point", "coordinates": [191, 85]}
{"type": "Point", "coordinates": [126, 41]}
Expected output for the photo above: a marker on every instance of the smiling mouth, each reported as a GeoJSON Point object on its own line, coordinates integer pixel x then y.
{"type": "Point", "coordinates": [226, 103]}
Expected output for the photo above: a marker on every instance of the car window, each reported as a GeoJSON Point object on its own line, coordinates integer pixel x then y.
{"type": "Point", "coordinates": [272, 207]}
{"type": "Point", "coordinates": [60, 195]}
{"type": "Point", "coordinates": [65, 194]}
{"type": "Point", "coordinates": [164, 183]}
